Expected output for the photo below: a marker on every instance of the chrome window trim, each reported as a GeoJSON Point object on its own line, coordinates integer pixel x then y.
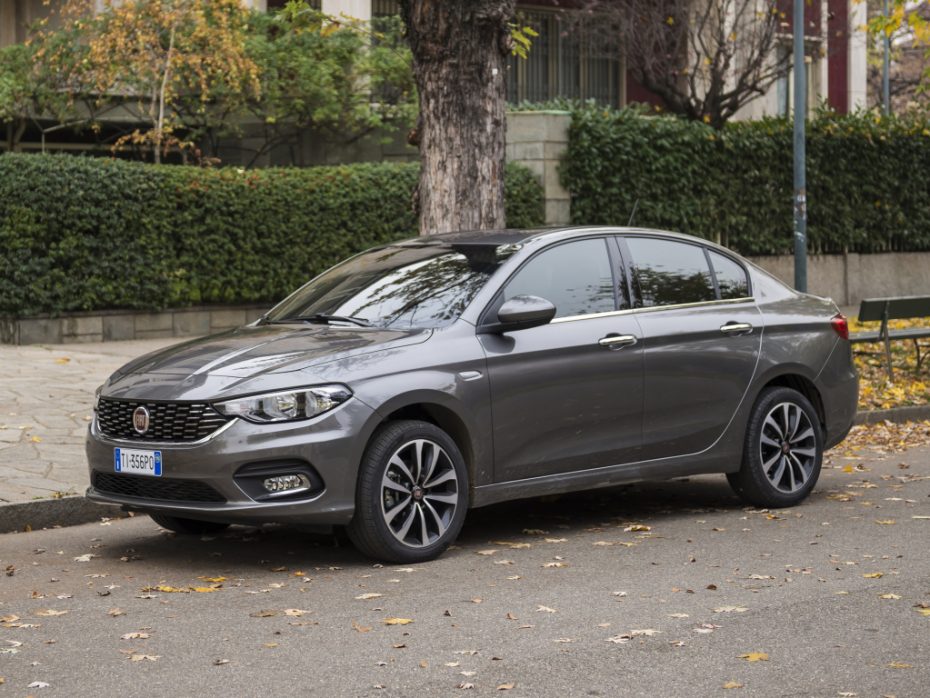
{"type": "Point", "coordinates": [163, 444]}
{"type": "Point", "coordinates": [590, 316]}
{"type": "Point", "coordinates": [651, 309]}
{"type": "Point", "coordinates": [655, 308]}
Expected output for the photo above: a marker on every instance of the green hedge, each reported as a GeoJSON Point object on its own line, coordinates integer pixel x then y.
{"type": "Point", "coordinates": [867, 179]}
{"type": "Point", "coordinates": [91, 234]}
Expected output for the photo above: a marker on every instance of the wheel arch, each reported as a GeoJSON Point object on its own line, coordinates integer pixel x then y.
{"type": "Point", "coordinates": [802, 384]}
{"type": "Point", "coordinates": [446, 413]}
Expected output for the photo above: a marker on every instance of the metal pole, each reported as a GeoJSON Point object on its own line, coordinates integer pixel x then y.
{"type": "Point", "coordinates": [800, 186]}
{"type": "Point", "coordinates": [886, 66]}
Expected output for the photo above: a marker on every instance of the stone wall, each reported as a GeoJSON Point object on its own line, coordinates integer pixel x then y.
{"type": "Point", "coordinates": [117, 325]}
{"type": "Point", "coordinates": [848, 278]}
{"type": "Point", "coordinates": [537, 140]}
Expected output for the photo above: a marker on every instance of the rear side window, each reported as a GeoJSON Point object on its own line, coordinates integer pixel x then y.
{"type": "Point", "coordinates": [575, 277]}
{"type": "Point", "coordinates": [731, 277]}
{"type": "Point", "coordinates": [671, 273]}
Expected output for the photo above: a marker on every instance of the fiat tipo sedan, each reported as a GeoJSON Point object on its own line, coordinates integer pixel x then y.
{"type": "Point", "coordinates": [416, 380]}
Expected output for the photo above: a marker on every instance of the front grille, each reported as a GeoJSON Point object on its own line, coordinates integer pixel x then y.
{"type": "Point", "coordinates": [168, 421]}
{"type": "Point", "coordinates": [156, 488]}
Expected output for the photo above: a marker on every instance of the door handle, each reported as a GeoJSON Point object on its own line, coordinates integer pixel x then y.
{"type": "Point", "coordinates": [736, 328]}
{"type": "Point", "coordinates": [617, 341]}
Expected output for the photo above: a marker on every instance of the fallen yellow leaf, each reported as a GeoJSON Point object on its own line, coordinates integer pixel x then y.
{"type": "Point", "coordinates": [167, 589]}
{"type": "Point", "coordinates": [889, 596]}
{"type": "Point", "coordinates": [213, 580]}
{"type": "Point", "coordinates": [50, 612]}
{"type": "Point", "coordinates": [398, 621]}
{"type": "Point", "coordinates": [366, 597]}
{"type": "Point", "coordinates": [732, 684]}
{"type": "Point", "coordinates": [899, 665]}
{"type": "Point", "coordinates": [874, 575]}
{"type": "Point", "coordinates": [755, 657]}
{"type": "Point", "coordinates": [885, 522]}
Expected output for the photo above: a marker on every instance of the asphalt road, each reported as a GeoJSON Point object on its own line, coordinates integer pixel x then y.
{"type": "Point", "coordinates": [651, 590]}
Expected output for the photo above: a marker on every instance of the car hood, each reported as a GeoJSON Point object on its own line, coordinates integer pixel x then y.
{"type": "Point", "coordinates": [253, 358]}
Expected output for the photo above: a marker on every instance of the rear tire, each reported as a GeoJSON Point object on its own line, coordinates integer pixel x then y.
{"type": "Point", "coordinates": [190, 527]}
{"type": "Point", "coordinates": [412, 493]}
{"type": "Point", "coordinates": [782, 451]}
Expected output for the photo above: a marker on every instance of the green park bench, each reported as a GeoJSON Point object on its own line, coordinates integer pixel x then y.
{"type": "Point", "coordinates": [885, 309]}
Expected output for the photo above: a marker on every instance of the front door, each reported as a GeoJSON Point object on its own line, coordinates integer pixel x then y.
{"type": "Point", "coordinates": [567, 396]}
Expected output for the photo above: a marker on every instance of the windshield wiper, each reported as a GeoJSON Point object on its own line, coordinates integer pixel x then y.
{"type": "Point", "coordinates": [322, 317]}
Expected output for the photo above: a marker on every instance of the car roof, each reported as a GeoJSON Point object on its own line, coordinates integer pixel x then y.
{"type": "Point", "coordinates": [496, 238]}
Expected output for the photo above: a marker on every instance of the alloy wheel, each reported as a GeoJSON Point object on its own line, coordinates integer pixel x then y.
{"type": "Point", "coordinates": [787, 447]}
{"type": "Point", "coordinates": [419, 493]}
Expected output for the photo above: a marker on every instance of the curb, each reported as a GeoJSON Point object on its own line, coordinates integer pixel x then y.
{"type": "Point", "coordinates": [897, 414]}
{"type": "Point", "coordinates": [48, 513]}
{"type": "Point", "coordinates": [71, 511]}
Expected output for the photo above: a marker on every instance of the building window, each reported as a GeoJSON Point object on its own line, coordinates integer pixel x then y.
{"type": "Point", "coordinates": [278, 4]}
{"type": "Point", "coordinates": [562, 63]}
{"type": "Point", "coordinates": [384, 8]}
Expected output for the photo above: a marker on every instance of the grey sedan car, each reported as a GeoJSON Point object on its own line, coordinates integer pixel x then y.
{"type": "Point", "coordinates": [416, 380]}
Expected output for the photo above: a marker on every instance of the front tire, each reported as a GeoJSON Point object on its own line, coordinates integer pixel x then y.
{"type": "Point", "coordinates": [412, 493]}
{"type": "Point", "coordinates": [782, 452]}
{"type": "Point", "coordinates": [190, 527]}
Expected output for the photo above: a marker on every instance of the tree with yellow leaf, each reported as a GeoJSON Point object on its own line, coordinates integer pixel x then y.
{"type": "Point", "coordinates": [907, 25]}
{"type": "Point", "coordinates": [154, 60]}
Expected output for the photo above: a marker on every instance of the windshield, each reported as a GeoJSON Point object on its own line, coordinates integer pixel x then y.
{"type": "Point", "coordinates": [402, 286]}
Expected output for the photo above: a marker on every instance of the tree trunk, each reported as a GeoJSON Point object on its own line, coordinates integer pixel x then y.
{"type": "Point", "coordinates": [459, 62]}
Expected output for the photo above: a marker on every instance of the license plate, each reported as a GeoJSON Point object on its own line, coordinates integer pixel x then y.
{"type": "Point", "coordinates": [128, 460]}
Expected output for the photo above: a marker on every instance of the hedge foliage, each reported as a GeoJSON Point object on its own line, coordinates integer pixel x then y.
{"type": "Point", "coordinates": [91, 234]}
{"type": "Point", "coordinates": [867, 179]}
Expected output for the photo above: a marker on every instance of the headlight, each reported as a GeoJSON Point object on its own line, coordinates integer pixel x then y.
{"type": "Point", "coordinates": [286, 406]}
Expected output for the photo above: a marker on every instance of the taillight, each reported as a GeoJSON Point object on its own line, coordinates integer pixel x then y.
{"type": "Point", "coordinates": [840, 325]}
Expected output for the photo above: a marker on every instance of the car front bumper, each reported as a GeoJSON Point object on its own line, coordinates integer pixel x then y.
{"type": "Point", "coordinates": [330, 447]}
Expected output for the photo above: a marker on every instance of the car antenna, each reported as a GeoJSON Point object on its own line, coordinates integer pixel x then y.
{"type": "Point", "coordinates": [635, 206]}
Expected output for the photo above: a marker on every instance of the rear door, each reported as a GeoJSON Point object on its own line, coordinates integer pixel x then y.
{"type": "Point", "coordinates": [702, 333]}
{"type": "Point", "coordinates": [567, 396]}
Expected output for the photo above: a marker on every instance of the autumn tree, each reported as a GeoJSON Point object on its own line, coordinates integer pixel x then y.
{"type": "Point", "coordinates": [16, 92]}
{"type": "Point", "coordinates": [705, 59]}
{"type": "Point", "coordinates": [339, 77]}
{"type": "Point", "coordinates": [907, 25]}
{"type": "Point", "coordinates": [156, 59]}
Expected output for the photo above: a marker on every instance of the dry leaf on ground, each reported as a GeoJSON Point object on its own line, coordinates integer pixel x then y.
{"type": "Point", "coordinates": [755, 657]}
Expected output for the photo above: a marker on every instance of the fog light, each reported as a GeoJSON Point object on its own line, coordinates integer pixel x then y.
{"type": "Point", "coordinates": [285, 483]}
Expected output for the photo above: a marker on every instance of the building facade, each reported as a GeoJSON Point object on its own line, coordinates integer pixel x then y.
{"type": "Point", "coordinates": [563, 64]}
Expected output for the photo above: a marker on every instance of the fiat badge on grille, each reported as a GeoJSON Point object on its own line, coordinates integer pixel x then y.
{"type": "Point", "coordinates": [140, 420]}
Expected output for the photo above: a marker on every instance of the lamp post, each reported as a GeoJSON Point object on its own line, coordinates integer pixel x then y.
{"type": "Point", "coordinates": [800, 185]}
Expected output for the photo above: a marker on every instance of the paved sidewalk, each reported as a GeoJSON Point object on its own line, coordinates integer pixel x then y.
{"type": "Point", "coordinates": [46, 400]}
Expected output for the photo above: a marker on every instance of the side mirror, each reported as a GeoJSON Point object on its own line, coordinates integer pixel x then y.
{"type": "Point", "coordinates": [524, 312]}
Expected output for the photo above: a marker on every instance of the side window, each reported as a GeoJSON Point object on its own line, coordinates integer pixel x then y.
{"type": "Point", "coordinates": [575, 277]}
{"type": "Point", "coordinates": [671, 273]}
{"type": "Point", "coordinates": [731, 277]}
